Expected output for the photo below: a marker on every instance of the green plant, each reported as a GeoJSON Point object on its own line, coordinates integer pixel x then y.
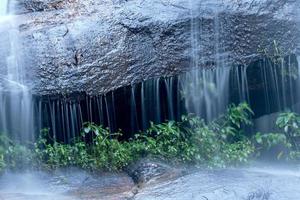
{"type": "Point", "coordinates": [108, 152]}
{"type": "Point", "coordinates": [289, 123]}
{"type": "Point", "coordinates": [271, 139]}
{"type": "Point", "coordinates": [239, 115]}
{"type": "Point", "coordinates": [238, 152]}
{"type": "Point", "coordinates": [168, 140]}
{"type": "Point", "coordinates": [205, 141]}
{"type": "Point", "coordinates": [265, 142]}
{"type": "Point", "coordinates": [53, 154]}
{"type": "Point", "coordinates": [191, 140]}
{"type": "Point", "coordinates": [18, 156]}
{"type": "Point", "coordinates": [274, 53]}
{"type": "Point", "coordinates": [285, 143]}
{"type": "Point", "coordinates": [194, 141]}
{"type": "Point", "coordinates": [277, 58]}
{"type": "Point", "coordinates": [2, 162]}
{"type": "Point", "coordinates": [294, 155]}
{"type": "Point", "coordinates": [13, 155]}
{"type": "Point", "coordinates": [230, 126]}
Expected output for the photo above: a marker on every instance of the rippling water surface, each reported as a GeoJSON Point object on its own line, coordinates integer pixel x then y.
{"type": "Point", "coordinates": [256, 183]}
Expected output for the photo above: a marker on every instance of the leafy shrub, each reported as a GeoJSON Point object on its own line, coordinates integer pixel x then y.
{"type": "Point", "coordinates": [191, 140]}
{"type": "Point", "coordinates": [54, 155]}
{"type": "Point", "coordinates": [2, 162]}
{"type": "Point", "coordinates": [14, 155]}
{"type": "Point", "coordinates": [287, 140]}
{"type": "Point", "coordinates": [267, 142]}
{"type": "Point", "coordinates": [230, 125]}
{"type": "Point", "coordinates": [238, 152]}
{"type": "Point", "coordinates": [18, 157]}
{"type": "Point", "coordinates": [289, 122]}
{"type": "Point", "coordinates": [294, 155]}
{"type": "Point", "coordinates": [108, 152]}
{"type": "Point", "coordinates": [194, 141]}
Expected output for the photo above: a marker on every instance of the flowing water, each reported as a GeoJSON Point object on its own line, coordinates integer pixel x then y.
{"type": "Point", "coordinates": [71, 184]}
{"type": "Point", "coordinates": [263, 183]}
{"type": "Point", "coordinates": [206, 90]}
{"type": "Point", "coordinates": [268, 88]}
{"type": "Point", "coordinates": [252, 183]}
{"type": "Point", "coordinates": [3, 7]}
{"type": "Point", "coordinates": [16, 111]}
{"type": "Point", "coordinates": [269, 85]}
{"type": "Point", "coordinates": [155, 100]}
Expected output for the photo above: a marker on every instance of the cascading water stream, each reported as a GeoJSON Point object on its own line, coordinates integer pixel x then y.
{"type": "Point", "coordinates": [3, 7]}
{"type": "Point", "coordinates": [16, 109]}
{"type": "Point", "coordinates": [268, 85]}
{"type": "Point", "coordinates": [205, 88]}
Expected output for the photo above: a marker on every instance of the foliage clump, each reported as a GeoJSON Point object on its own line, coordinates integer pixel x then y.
{"type": "Point", "coordinates": [219, 143]}
{"type": "Point", "coordinates": [286, 141]}
{"type": "Point", "coordinates": [191, 140]}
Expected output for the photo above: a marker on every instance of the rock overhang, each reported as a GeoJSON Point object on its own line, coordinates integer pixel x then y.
{"type": "Point", "coordinates": [72, 46]}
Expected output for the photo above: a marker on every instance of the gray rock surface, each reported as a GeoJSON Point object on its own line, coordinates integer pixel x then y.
{"type": "Point", "coordinates": [238, 184]}
{"type": "Point", "coordinates": [251, 183]}
{"type": "Point", "coordinates": [98, 46]}
{"type": "Point", "coordinates": [70, 184]}
{"type": "Point", "coordinates": [149, 171]}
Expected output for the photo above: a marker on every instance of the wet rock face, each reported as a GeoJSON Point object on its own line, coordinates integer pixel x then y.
{"type": "Point", "coordinates": [241, 184]}
{"type": "Point", "coordinates": [149, 171]}
{"type": "Point", "coordinates": [66, 184]}
{"type": "Point", "coordinates": [110, 187]}
{"type": "Point", "coordinates": [97, 46]}
{"type": "Point", "coordinates": [26, 6]}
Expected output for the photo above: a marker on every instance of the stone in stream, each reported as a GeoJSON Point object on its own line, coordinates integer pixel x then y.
{"type": "Point", "coordinates": [71, 184]}
{"type": "Point", "coordinates": [110, 186]}
{"type": "Point", "coordinates": [262, 183]}
{"type": "Point", "coordinates": [253, 183]}
{"type": "Point", "coordinates": [148, 171]}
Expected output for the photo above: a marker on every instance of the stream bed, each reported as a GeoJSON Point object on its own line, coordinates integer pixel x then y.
{"type": "Point", "coordinates": [230, 184]}
{"type": "Point", "coordinates": [255, 183]}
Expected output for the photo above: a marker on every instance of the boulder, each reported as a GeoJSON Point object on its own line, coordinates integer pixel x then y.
{"type": "Point", "coordinates": [151, 171]}
{"type": "Point", "coordinates": [71, 46]}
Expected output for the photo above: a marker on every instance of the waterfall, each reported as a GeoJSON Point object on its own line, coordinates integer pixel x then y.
{"type": "Point", "coordinates": [16, 109]}
{"type": "Point", "coordinates": [206, 87]}
{"type": "Point", "coordinates": [211, 84]}
{"type": "Point", "coordinates": [3, 7]}
{"type": "Point", "coordinates": [206, 92]}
